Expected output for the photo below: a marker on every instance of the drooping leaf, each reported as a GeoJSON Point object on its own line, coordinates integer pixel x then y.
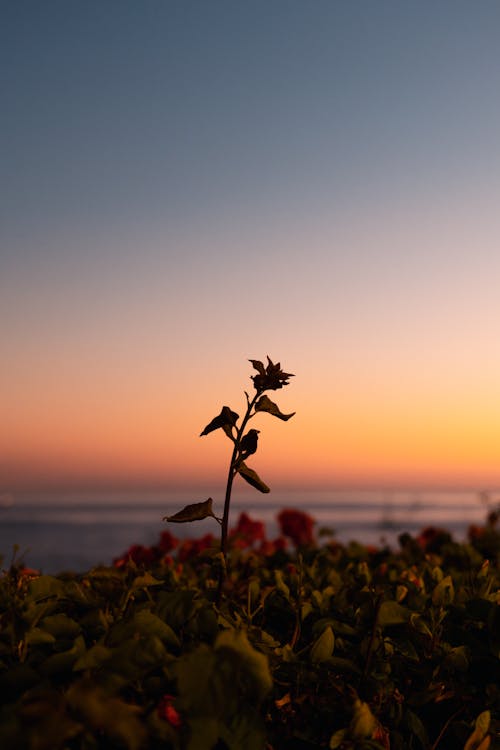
{"type": "Point", "coordinates": [226, 419]}
{"type": "Point", "coordinates": [194, 512]}
{"type": "Point", "coordinates": [265, 404]}
{"type": "Point", "coordinates": [251, 476]}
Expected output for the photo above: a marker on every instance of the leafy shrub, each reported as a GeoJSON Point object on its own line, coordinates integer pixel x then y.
{"type": "Point", "coordinates": [338, 646]}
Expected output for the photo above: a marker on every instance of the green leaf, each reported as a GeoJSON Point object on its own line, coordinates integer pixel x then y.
{"type": "Point", "coordinates": [254, 664]}
{"type": "Point", "coordinates": [144, 581]}
{"type": "Point", "coordinates": [323, 648]}
{"type": "Point", "coordinates": [392, 613]}
{"type": "Point", "coordinates": [194, 512]}
{"type": "Point", "coordinates": [337, 739]}
{"type": "Point", "coordinates": [444, 593]}
{"type": "Point", "coordinates": [36, 636]}
{"type": "Point", "coordinates": [93, 658]}
{"type": "Point", "coordinates": [280, 584]}
{"type": "Point", "coordinates": [44, 587]}
{"type": "Point", "coordinates": [265, 404]}
{"type": "Point", "coordinates": [417, 728]}
{"type": "Point", "coordinates": [146, 623]}
{"type": "Point", "coordinates": [251, 476]}
{"type": "Point", "coordinates": [226, 419]}
{"type": "Point", "coordinates": [58, 664]}
{"type": "Point", "coordinates": [418, 622]}
{"type": "Point", "coordinates": [60, 626]}
{"type": "Point", "coordinates": [107, 715]}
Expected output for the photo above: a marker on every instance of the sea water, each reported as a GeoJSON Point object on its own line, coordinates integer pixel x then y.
{"type": "Point", "coordinates": [75, 531]}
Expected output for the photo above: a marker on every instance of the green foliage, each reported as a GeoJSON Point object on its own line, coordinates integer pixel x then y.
{"type": "Point", "coordinates": [326, 647]}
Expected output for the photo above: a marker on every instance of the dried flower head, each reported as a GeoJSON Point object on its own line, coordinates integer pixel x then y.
{"type": "Point", "coordinates": [269, 378]}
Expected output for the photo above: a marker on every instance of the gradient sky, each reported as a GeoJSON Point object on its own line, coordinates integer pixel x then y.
{"type": "Point", "coordinates": [186, 185]}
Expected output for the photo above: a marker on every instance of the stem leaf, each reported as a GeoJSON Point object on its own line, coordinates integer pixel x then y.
{"type": "Point", "coordinates": [226, 419]}
{"type": "Point", "coordinates": [251, 476]}
{"type": "Point", "coordinates": [265, 404]}
{"type": "Point", "coordinates": [194, 512]}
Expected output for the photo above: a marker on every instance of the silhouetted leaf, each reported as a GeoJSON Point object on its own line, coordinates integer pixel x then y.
{"type": "Point", "coordinates": [226, 419]}
{"type": "Point", "coordinates": [195, 512]}
{"type": "Point", "coordinates": [265, 404]}
{"type": "Point", "coordinates": [248, 444]}
{"type": "Point", "coordinates": [251, 476]}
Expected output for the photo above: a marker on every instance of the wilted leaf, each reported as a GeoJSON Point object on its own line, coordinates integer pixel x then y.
{"type": "Point", "coordinates": [323, 648]}
{"type": "Point", "coordinates": [265, 404]}
{"type": "Point", "coordinates": [251, 476]}
{"type": "Point", "coordinates": [226, 419]}
{"type": "Point", "coordinates": [195, 512]}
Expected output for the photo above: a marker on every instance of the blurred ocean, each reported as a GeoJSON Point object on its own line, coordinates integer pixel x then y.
{"type": "Point", "coordinates": [76, 531]}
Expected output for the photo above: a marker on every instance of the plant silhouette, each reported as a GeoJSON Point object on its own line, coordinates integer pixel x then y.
{"type": "Point", "coordinates": [268, 377]}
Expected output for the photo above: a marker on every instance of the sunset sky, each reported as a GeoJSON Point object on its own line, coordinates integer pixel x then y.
{"type": "Point", "coordinates": [187, 185]}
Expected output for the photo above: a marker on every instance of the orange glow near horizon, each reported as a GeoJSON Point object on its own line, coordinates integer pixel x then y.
{"type": "Point", "coordinates": [336, 439]}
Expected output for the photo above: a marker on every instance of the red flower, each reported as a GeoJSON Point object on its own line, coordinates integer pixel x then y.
{"type": "Point", "coordinates": [138, 554]}
{"type": "Point", "coordinates": [297, 525]}
{"type": "Point", "coordinates": [167, 542]}
{"type": "Point", "coordinates": [168, 712]}
{"type": "Point", "coordinates": [432, 538]}
{"type": "Point", "coordinates": [193, 547]}
{"type": "Point", "coordinates": [270, 548]}
{"type": "Point", "coordinates": [247, 531]}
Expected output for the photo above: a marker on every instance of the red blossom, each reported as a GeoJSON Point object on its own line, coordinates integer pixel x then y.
{"type": "Point", "coordinates": [475, 532]}
{"type": "Point", "coordinates": [137, 554]}
{"type": "Point", "coordinates": [247, 531]}
{"type": "Point", "coordinates": [269, 548]}
{"type": "Point", "coordinates": [29, 573]}
{"type": "Point", "coordinates": [168, 712]}
{"type": "Point", "coordinates": [297, 525]}
{"type": "Point", "coordinates": [193, 547]}
{"type": "Point", "coordinates": [167, 542]}
{"type": "Point", "coordinates": [432, 538]}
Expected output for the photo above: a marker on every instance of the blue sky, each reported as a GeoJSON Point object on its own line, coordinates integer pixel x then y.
{"type": "Point", "coordinates": [190, 184]}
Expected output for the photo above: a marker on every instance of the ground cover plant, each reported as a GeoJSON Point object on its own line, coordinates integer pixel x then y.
{"type": "Point", "coordinates": [304, 643]}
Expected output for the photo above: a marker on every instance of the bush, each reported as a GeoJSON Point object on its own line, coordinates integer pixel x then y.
{"type": "Point", "coordinates": [332, 646]}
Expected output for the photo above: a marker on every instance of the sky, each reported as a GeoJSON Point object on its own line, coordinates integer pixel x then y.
{"type": "Point", "coordinates": [188, 185]}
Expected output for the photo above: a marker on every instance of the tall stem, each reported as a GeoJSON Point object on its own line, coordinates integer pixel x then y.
{"type": "Point", "coordinates": [231, 474]}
